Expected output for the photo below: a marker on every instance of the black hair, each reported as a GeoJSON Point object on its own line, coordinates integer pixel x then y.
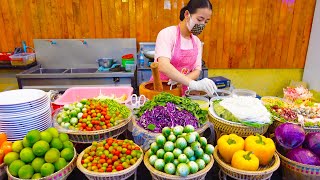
{"type": "Point", "coordinates": [193, 5]}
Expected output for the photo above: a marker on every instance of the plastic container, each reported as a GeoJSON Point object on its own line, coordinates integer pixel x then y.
{"type": "Point", "coordinates": [5, 58]}
{"type": "Point", "coordinates": [127, 59]}
{"type": "Point", "coordinates": [244, 92]}
{"type": "Point", "coordinates": [223, 93]}
{"type": "Point", "coordinates": [202, 101]}
{"type": "Point", "coordinates": [77, 93]}
{"type": "Point", "coordinates": [130, 67]}
{"type": "Point", "coordinates": [22, 59]}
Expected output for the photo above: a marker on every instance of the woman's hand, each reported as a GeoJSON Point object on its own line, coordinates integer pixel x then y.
{"type": "Point", "coordinates": [205, 84]}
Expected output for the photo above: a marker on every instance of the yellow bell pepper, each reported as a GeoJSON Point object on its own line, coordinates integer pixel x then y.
{"type": "Point", "coordinates": [228, 145]}
{"type": "Point", "coordinates": [245, 160]}
{"type": "Point", "coordinates": [261, 146]}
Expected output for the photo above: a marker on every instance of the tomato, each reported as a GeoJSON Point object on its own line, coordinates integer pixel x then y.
{"type": "Point", "coordinates": [136, 148]}
{"type": "Point", "coordinates": [99, 166]}
{"type": "Point", "coordinates": [6, 147]}
{"type": "Point", "coordinates": [117, 153]}
{"type": "Point", "coordinates": [101, 161]}
{"type": "Point", "coordinates": [110, 142]}
{"type": "Point", "coordinates": [3, 138]}
{"type": "Point", "coordinates": [119, 168]}
{"type": "Point", "coordinates": [103, 156]}
{"type": "Point", "coordinates": [108, 117]}
{"type": "Point", "coordinates": [109, 161]}
{"type": "Point", "coordinates": [128, 152]}
{"type": "Point", "coordinates": [100, 170]}
{"type": "Point", "coordinates": [85, 115]}
{"type": "Point", "coordinates": [114, 158]}
{"type": "Point", "coordinates": [124, 145]}
{"type": "Point", "coordinates": [129, 147]}
{"type": "Point", "coordinates": [109, 169]}
{"type": "Point", "coordinates": [106, 146]}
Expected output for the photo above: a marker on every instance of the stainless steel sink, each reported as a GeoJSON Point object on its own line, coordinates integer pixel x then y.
{"type": "Point", "coordinates": [48, 71]}
{"type": "Point", "coordinates": [82, 70]}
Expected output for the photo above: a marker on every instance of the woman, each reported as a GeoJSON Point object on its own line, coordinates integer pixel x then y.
{"type": "Point", "coordinates": [179, 51]}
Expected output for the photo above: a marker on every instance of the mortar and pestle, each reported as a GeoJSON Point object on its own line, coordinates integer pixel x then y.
{"type": "Point", "coordinates": [151, 89]}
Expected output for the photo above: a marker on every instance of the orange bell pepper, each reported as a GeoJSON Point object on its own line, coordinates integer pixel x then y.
{"type": "Point", "coordinates": [6, 147]}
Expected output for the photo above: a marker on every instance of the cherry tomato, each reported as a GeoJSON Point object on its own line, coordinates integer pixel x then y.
{"type": "Point", "coordinates": [128, 152]}
{"type": "Point", "coordinates": [119, 168]}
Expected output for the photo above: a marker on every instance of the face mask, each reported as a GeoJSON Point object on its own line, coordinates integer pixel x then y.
{"type": "Point", "coordinates": [194, 28]}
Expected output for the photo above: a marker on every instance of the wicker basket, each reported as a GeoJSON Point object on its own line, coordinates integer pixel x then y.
{"type": "Point", "coordinates": [61, 175]}
{"type": "Point", "coordinates": [158, 175]}
{"type": "Point", "coordinates": [292, 170]}
{"type": "Point", "coordinates": [144, 138]}
{"type": "Point", "coordinates": [311, 129]}
{"type": "Point", "coordinates": [90, 136]}
{"type": "Point", "coordinates": [2, 171]}
{"type": "Point", "coordinates": [124, 174]}
{"type": "Point", "coordinates": [261, 174]}
{"type": "Point", "coordinates": [222, 126]}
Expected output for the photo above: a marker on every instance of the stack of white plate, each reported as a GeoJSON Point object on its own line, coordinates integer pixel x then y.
{"type": "Point", "coordinates": [23, 110]}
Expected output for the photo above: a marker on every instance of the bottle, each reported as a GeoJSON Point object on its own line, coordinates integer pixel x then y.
{"type": "Point", "coordinates": [141, 58]}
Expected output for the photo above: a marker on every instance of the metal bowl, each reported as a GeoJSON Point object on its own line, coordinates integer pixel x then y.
{"type": "Point", "coordinates": [105, 62]}
{"type": "Point", "coordinates": [149, 54]}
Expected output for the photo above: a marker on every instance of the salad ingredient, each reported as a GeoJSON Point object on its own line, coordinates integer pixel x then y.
{"type": "Point", "coordinates": [228, 145]}
{"type": "Point", "coordinates": [262, 147]}
{"type": "Point", "coordinates": [245, 160]}
{"type": "Point", "coordinates": [289, 135]}
{"type": "Point", "coordinates": [303, 156]}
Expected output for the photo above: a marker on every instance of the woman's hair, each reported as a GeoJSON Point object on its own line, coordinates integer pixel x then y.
{"type": "Point", "coordinates": [193, 5]}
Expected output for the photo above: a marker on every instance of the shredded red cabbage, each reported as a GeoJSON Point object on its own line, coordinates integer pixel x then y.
{"type": "Point", "coordinates": [167, 116]}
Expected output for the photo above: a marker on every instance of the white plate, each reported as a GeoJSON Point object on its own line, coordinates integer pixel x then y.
{"type": "Point", "coordinates": [25, 105]}
{"type": "Point", "coordinates": [19, 96]}
{"type": "Point", "coordinates": [26, 115]}
{"type": "Point", "coordinates": [40, 119]}
{"type": "Point", "coordinates": [25, 112]}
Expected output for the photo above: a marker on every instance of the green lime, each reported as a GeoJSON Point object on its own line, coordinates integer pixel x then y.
{"type": "Point", "coordinates": [67, 154]}
{"type": "Point", "coordinates": [176, 162]}
{"type": "Point", "coordinates": [195, 146]}
{"type": "Point", "coordinates": [26, 143]}
{"type": "Point", "coordinates": [188, 129]}
{"type": "Point", "coordinates": [206, 158]}
{"type": "Point", "coordinates": [203, 142]}
{"type": "Point", "coordinates": [183, 170]}
{"type": "Point", "coordinates": [201, 164]}
{"type": "Point", "coordinates": [40, 148]}
{"type": "Point", "coordinates": [168, 146]}
{"type": "Point", "coordinates": [168, 157]}
{"type": "Point", "coordinates": [166, 131]}
{"type": "Point", "coordinates": [154, 147]}
{"type": "Point", "coordinates": [178, 130]}
{"type": "Point", "coordinates": [196, 134]}
{"type": "Point", "coordinates": [60, 164]}
{"type": "Point", "coordinates": [193, 166]}
{"type": "Point", "coordinates": [188, 152]}
{"type": "Point", "coordinates": [182, 158]}
{"type": "Point", "coordinates": [181, 143]}
{"type": "Point", "coordinates": [47, 169]}
{"type": "Point", "coordinates": [46, 136]}
{"type": "Point", "coordinates": [26, 172]}
{"type": "Point", "coordinates": [159, 164]}
{"type": "Point", "coordinates": [192, 158]}
{"type": "Point", "coordinates": [52, 155]}
{"type": "Point", "coordinates": [10, 157]}
{"type": "Point", "coordinates": [36, 176]}
{"type": "Point", "coordinates": [172, 138]}
{"type": "Point", "coordinates": [160, 153]}
{"type": "Point", "coordinates": [67, 144]}
{"type": "Point", "coordinates": [177, 152]}
{"type": "Point", "coordinates": [63, 137]}
{"type": "Point", "coordinates": [170, 168]}
{"type": "Point", "coordinates": [53, 131]}
{"type": "Point", "coordinates": [199, 153]}
{"type": "Point", "coordinates": [209, 149]}
{"type": "Point", "coordinates": [33, 136]}
{"type": "Point", "coordinates": [26, 155]}
{"type": "Point", "coordinates": [190, 138]}
{"type": "Point", "coordinates": [56, 143]}
{"type": "Point", "coordinates": [17, 146]}
{"type": "Point", "coordinates": [15, 166]}
{"type": "Point", "coordinates": [37, 163]}
{"type": "Point", "coordinates": [152, 159]}
{"type": "Point", "coordinates": [160, 140]}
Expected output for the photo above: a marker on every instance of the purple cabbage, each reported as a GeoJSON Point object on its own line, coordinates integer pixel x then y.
{"type": "Point", "coordinates": [303, 156]}
{"type": "Point", "coordinates": [289, 136]}
{"type": "Point", "coordinates": [312, 142]}
{"type": "Point", "coordinates": [167, 116]}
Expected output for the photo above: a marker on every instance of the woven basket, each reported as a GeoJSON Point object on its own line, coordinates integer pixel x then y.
{"type": "Point", "coordinates": [222, 126]}
{"type": "Point", "coordinates": [124, 174]}
{"type": "Point", "coordinates": [144, 138]}
{"type": "Point", "coordinates": [2, 171]}
{"type": "Point", "coordinates": [61, 175]}
{"type": "Point", "coordinates": [158, 175]}
{"type": "Point", "coordinates": [90, 136]}
{"type": "Point", "coordinates": [292, 170]}
{"type": "Point", "coordinates": [264, 172]}
{"type": "Point", "coordinates": [311, 129]}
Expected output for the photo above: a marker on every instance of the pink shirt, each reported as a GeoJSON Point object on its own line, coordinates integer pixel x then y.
{"type": "Point", "coordinates": [166, 41]}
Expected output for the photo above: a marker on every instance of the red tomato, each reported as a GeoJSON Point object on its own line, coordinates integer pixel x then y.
{"type": "Point", "coordinates": [103, 156]}
{"type": "Point", "coordinates": [109, 161]}
{"type": "Point", "coordinates": [119, 168]}
{"type": "Point", "coordinates": [128, 152]}
{"type": "Point", "coordinates": [117, 153]}
{"type": "Point", "coordinates": [136, 148]}
{"type": "Point", "coordinates": [114, 158]}
{"type": "Point", "coordinates": [109, 169]}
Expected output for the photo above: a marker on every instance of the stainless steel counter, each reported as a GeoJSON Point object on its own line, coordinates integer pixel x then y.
{"type": "Point", "coordinates": [63, 78]}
